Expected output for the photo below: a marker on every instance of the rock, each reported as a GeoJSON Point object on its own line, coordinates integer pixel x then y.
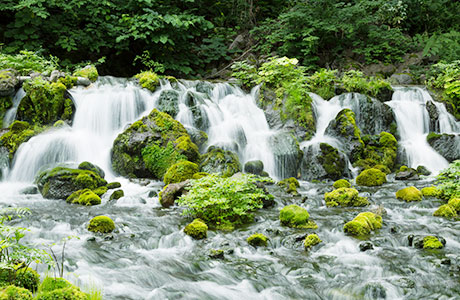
{"type": "Point", "coordinates": [341, 183]}
{"type": "Point", "coordinates": [101, 224]}
{"type": "Point", "coordinates": [153, 194]}
{"type": "Point", "coordinates": [89, 72]}
{"type": "Point", "coordinates": [60, 182]}
{"type": "Point", "coordinates": [364, 246]}
{"type": "Point", "coordinates": [168, 102]}
{"type": "Point", "coordinates": [363, 224]}
{"type": "Point", "coordinates": [406, 173]}
{"type": "Point", "coordinates": [371, 177]}
{"type": "Point", "coordinates": [84, 197]}
{"type": "Point", "coordinates": [100, 190]}
{"type": "Point", "coordinates": [180, 172]}
{"type": "Point", "coordinates": [254, 167]}
{"type": "Point", "coordinates": [434, 115]}
{"type": "Point", "coordinates": [422, 170]}
{"type": "Point", "coordinates": [257, 240]}
{"type": "Point", "coordinates": [55, 75]}
{"type": "Point", "coordinates": [448, 145]}
{"type": "Point", "coordinates": [401, 79]}
{"type": "Point", "coordinates": [287, 153]}
{"type": "Point", "coordinates": [171, 192]}
{"type": "Point", "coordinates": [290, 185]}
{"type": "Point", "coordinates": [310, 241]}
{"type": "Point", "coordinates": [445, 211]}
{"type": "Point", "coordinates": [204, 87]}
{"type": "Point", "coordinates": [30, 190]}
{"type": "Point", "coordinates": [430, 191]}
{"type": "Point", "coordinates": [219, 161]}
{"type": "Point", "coordinates": [117, 195]}
{"type": "Point", "coordinates": [426, 242]}
{"type": "Point", "coordinates": [83, 81]}
{"type": "Point", "coordinates": [199, 137]}
{"type": "Point", "coordinates": [296, 217]}
{"type": "Point", "coordinates": [91, 167]}
{"type": "Point", "coordinates": [197, 229]}
{"type": "Point", "coordinates": [8, 82]}
{"type": "Point", "coordinates": [17, 133]}
{"type": "Point", "coordinates": [344, 197]}
{"type": "Point", "coordinates": [331, 161]}
{"type": "Point", "coordinates": [151, 145]}
{"type": "Point", "coordinates": [238, 43]}
{"type": "Point", "coordinates": [375, 291]}
{"type": "Point", "coordinates": [216, 254]}
{"type": "Point", "coordinates": [322, 162]}
{"type": "Point", "coordinates": [113, 185]}
{"type": "Point", "coordinates": [409, 194]}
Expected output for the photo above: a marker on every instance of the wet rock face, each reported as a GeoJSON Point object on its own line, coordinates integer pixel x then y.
{"type": "Point", "coordinates": [407, 174]}
{"type": "Point", "coordinates": [322, 162]}
{"type": "Point", "coordinates": [168, 102]}
{"type": "Point", "coordinates": [434, 116]}
{"type": "Point", "coordinates": [448, 145]}
{"type": "Point", "coordinates": [287, 153]}
{"type": "Point", "coordinates": [219, 161]}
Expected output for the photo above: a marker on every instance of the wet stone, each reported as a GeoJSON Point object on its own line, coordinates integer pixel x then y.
{"type": "Point", "coordinates": [366, 246]}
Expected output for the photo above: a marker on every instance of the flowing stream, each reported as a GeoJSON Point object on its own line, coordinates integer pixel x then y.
{"type": "Point", "coordinates": [149, 257]}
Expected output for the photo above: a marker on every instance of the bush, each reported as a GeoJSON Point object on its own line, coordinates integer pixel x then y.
{"type": "Point", "coordinates": [224, 202]}
{"type": "Point", "coordinates": [448, 180]}
{"type": "Point", "coordinates": [27, 61]}
{"type": "Point", "coordinates": [12, 292]}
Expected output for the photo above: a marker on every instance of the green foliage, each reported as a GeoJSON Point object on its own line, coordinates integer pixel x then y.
{"type": "Point", "coordinates": [322, 82]}
{"type": "Point", "coordinates": [12, 292]}
{"type": "Point", "coordinates": [446, 46]}
{"type": "Point", "coordinates": [448, 181]}
{"type": "Point", "coordinates": [148, 80]}
{"type": "Point", "coordinates": [445, 77]}
{"type": "Point", "coordinates": [224, 202]}
{"type": "Point", "coordinates": [356, 81]}
{"type": "Point", "coordinates": [159, 159]}
{"type": "Point", "coordinates": [27, 61]}
{"type": "Point", "coordinates": [89, 72]}
{"type": "Point", "coordinates": [51, 284]}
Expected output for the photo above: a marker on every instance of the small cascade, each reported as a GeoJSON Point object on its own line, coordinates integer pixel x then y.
{"type": "Point", "coordinates": [409, 107]}
{"type": "Point", "coordinates": [11, 113]}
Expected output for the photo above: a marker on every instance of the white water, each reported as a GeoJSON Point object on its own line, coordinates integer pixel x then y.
{"type": "Point", "coordinates": [412, 118]}
{"type": "Point", "coordinates": [11, 113]}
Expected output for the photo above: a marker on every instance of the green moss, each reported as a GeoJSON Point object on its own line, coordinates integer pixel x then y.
{"type": "Point", "coordinates": [89, 72]}
{"type": "Point", "coordinates": [341, 183]}
{"type": "Point", "coordinates": [197, 229]}
{"type": "Point", "coordinates": [331, 161]}
{"type": "Point", "coordinates": [59, 124]}
{"type": "Point", "coordinates": [101, 224]}
{"type": "Point", "coordinates": [91, 167]}
{"type": "Point", "coordinates": [363, 224]}
{"type": "Point", "coordinates": [113, 185]}
{"type": "Point", "coordinates": [148, 80]}
{"type": "Point", "coordinates": [184, 146]}
{"type": "Point", "coordinates": [257, 240]}
{"type": "Point", "coordinates": [387, 140]}
{"type": "Point", "coordinates": [455, 204]}
{"type": "Point", "coordinates": [409, 194]}
{"type": "Point", "coordinates": [51, 284]}
{"type": "Point", "coordinates": [117, 195]}
{"type": "Point", "coordinates": [24, 277]}
{"type": "Point", "coordinates": [100, 190]}
{"type": "Point", "coordinates": [445, 211]}
{"type": "Point", "coordinates": [430, 191]}
{"type": "Point", "coordinates": [199, 175]}
{"type": "Point", "coordinates": [403, 169]}
{"type": "Point", "coordinates": [84, 197]}
{"type": "Point", "coordinates": [19, 132]}
{"type": "Point", "coordinates": [180, 171]}
{"type": "Point", "coordinates": [68, 81]}
{"type": "Point", "coordinates": [311, 240]}
{"type": "Point", "coordinates": [380, 152]}
{"type": "Point", "coordinates": [345, 197]}
{"type": "Point", "coordinates": [290, 185]}
{"type": "Point", "coordinates": [371, 177]}
{"type": "Point", "coordinates": [297, 217]}
{"type": "Point", "coordinates": [12, 292]}
{"type": "Point", "coordinates": [432, 242]}
{"type": "Point", "coordinates": [68, 293]}
{"type": "Point", "coordinates": [219, 161]}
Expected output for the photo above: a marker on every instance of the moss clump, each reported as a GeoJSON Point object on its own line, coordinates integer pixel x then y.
{"type": "Point", "coordinates": [455, 204]}
{"type": "Point", "coordinates": [445, 211]}
{"type": "Point", "coordinates": [380, 152]}
{"type": "Point", "coordinates": [68, 81]}
{"type": "Point", "coordinates": [344, 197]}
{"type": "Point", "coordinates": [89, 72]}
{"type": "Point", "coordinates": [12, 292]}
{"type": "Point", "coordinates": [187, 148]}
{"type": "Point", "coordinates": [409, 194]}
{"type": "Point", "coordinates": [311, 240]}
{"type": "Point", "coordinates": [331, 161]}
{"type": "Point", "coordinates": [197, 229]}
{"type": "Point", "coordinates": [257, 240]}
{"type": "Point", "coordinates": [199, 175]}
{"type": "Point", "coordinates": [117, 195]}
{"type": "Point", "coordinates": [219, 161]}
{"type": "Point", "coordinates": [371, 177]}
{"type": "Point", "coordinates": [101, 224]}
{"type": "Point", "coordinates": [341, 183]}
{"type": "Point", "coordinates": [180, 171]}
{"type": "Point", "coordinates": [363, 224]}
{"type": "Point", "coordinates": [19, 132]}
{"type": "Point", "coordinates": [71, 293]}
{"type": "Point", "coordinates": [51, 284]}
{"type": "Point", "coordinates": [432, 242]}
{"type": "Point", "coordinates": [113, 185]}
{"type": "Point", "coordinates": [91, 167]}
{"type": "Point", "coordinates": [430, 191]}
{"type": "Point", "coordinates": [296, 217]}
{"type": "Point", "coordinates": [148, 80]}
{"type": "Point", "coordinates": [290, 185]}
{"type": "Point", "coordinates": [24, 277]}
{"type": "Point", "coordinates": [84, 197]}
{"type": "Point", "coordinates": [100, 190]}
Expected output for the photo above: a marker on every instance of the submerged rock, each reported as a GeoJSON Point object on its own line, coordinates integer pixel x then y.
{"type": "Point", "coordinates": [257, 240]}
{"type": "Point", "coordinates": [364, 246]}
{"type": "Point", "coordinates": [345, 197]}
{"type": "Point", "coordinates": [219, 161]}
{"type": "Point", "coordinates": [117, 195]}
{"type": "Point", "coordinates": [409, 194]}
{"type": "Point", "coordinates": [363, 224]}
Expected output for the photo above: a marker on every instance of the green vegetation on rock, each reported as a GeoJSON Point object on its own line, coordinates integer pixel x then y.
{"type": "Point", "coordinates": [409, 194]}
{"type": "Point", "coordinates": [84, 197]}
{"type": "Point", "coordinates": [180, 171]}
{"type": "Point", "coordinates": [341, 183]}
{"type": "Point", "coordinates": [331, 161]}
{"type": "Point", "coordinates": [432, 242]}
{"type": "Point", "coordinates": [12, 292]}
{"type": "Point", "coordinates": [311, 240]}
{"type": "Point", "coordinates": [117, 195]}
{"type": "Point", "coordinates": [430, 191]}
{"type": "Point", "coordinates": [445, 211]}
{"type": "Point", "coordinates": [363, 224]}
{"type": "Point", "coordinates": [148, 80]}
{"type": "Point", "coordinates": [19, 132]}
{"type": "Point", "coordinates": [290, 185]}
{"type": "Point", "coordinates": [23, 277]}
{"type": "Point", "coordinates": [89, 72]}
{"type": "Point", "coordinates": [221, 162]}
{"type": "Point", "coordinates": [102, 224]}
{"type": "Point", "coordinates": [345, 197]}
{"type": "Point", "coordinates": [197, 229]}
{"type": "Point", "coordinates": [296, 217]}
{"type": "Point", "coordinates": [448, 180]}
{"type": "Point", "coordinates": [371, 177]}
{"type": "Point", "coordinates": [257, 240]}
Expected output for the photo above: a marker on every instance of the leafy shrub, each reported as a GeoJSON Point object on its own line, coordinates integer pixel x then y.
{"type": "Point", "coordinates": [446, 78]}
{"type": "Point", "coordinates": [322, 82]}
{"type": "Point", "coordinates": [448, 181]}
{"type": "Point", "coordinates": [27, 61]}
{"type": "Point", "coordinates": [224, 202]}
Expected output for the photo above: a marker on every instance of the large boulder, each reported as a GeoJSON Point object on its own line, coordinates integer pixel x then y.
{"type": "Point", "coordinates": [288, 155]}
{"type": "Point", "coordinates": [363, 224]}
{"type": "Point", "coordinates": [371, 177]}
{"type": "Point", "coordinates": [61, 182]}
{"type": "Point", "coordinates": [322, 162]}
{"type": "Point", "coordinates": [254, 167]}
{"type": "Point", "coordinates": [171, 192]}
{"type": "Point", "coordinates": [17, 133]}
{"type": "Point", "coordinates": [448, 145]}
{"type": "Point", "coordinates": [168, 102]}
{"type": "Point", "coordinates": [219, 161]}
{"type": "Point", "coordinates": [8, 82]}
{"type": "Point", "coordinates": [151, 145]}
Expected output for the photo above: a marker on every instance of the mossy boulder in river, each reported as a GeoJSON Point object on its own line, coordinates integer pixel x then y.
{"type": "Point", "coordinates": [257, 240]}
{"type": "Point", "coordinates": [426, 242]}
{"type": "Point", "coordinates": [363, 224]}
{"type": "Point", "coordinates": [345, 197]}
{"type": "Point", "coordinates": [430, 191]}
{"type": "Point", "coordinates": [311, 240]}
{"type": "Point", "coordinates": [296, 217]}
{"type": "Point", "coordinates": [102, 224]}
{"type": "Point", "coordinates": [12, 292]}
{"type": "Point", "coordinates": [255, 167]}
{"type": "Point", "coordinates": [84, 197]}
{"type": "Point", "coordinates": [380, 152]}
{"type": "Point", "coordinates": [290, 185]}
{"type": "Point", "coordinates": [180, 171]}
{"type": "Point", "coordinates": [221, 162]}
{"type": "Point", "coordinates": [59, 288]}
{"type": "Point", "coordinates": [409, 194]}
{"type": "Point", "coordinates": [151, 145]}
{"type": "Point", "coordinates": [341, 183]}
{"type": "Point", "coordinates": [197, 229]}
{"type": "Point", "coordinates": [371, 177]}
{"type": "Point", "coordinates": [17, 133]}
{"type": "Point", "coordinates": [61, 182]}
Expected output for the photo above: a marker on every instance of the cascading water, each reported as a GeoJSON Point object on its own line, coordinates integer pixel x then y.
{"type": "Point", "coordinates": [409, 107]}
{"type": "Point", "coordinates": [11, 113]}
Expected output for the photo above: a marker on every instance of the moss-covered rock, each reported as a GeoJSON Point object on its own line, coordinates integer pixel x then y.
{"type": "Point", "coordinates": [445, 211]}
{"type": "Point", "coordinates": [432, 242]}
{"type": "Point", "coordinates": [168, 102]}
{"type": "Point", "coordinates": [113, 185]}
{"type": "Point", "coordinates": [19, 132]}
{"type": "Point", "coordinates": [84, 197]}
{"type": "Point", "coordinates": [8, 82]}
{"type": "Point", "coordinates": [341, 183]}
{"type": "Point", "coordinates": [91, 167]}
{"type": "Point", "coordinates": [171, 193]}
{"type": "Point", "coordinates": [331, 161]}
{"type": "Point", "coordinates": [180, 171]}
{"type": "Point", "coordinates": [219, 161]}
{"type": "Point", "coordinates": [199, 175]}
{"type": "Point", "coordinates": [102, 224]}
{"type": "Point", "coordinates": [455, 204]}
{"type": "Point", "coordinates": [148, 80]}
{"type": "Point", "coordinates": [409, 194]}
{"type": "Point", "coordinates": [257, 240]}
{"type": "Point", "coordinates": [290, 185]}
{"type": "Point", "coordinates": [117, 195]}
{"type": "Point", "coordinates": [311, 240]}
{"type": "Point", "coordinates": [89, 72]}
{"type": "Point", "coordinates": [100, 190]}
{"type": "Point", "coordinates": [430, 191]}
{"type": "Point", "coordinates": [296, 217]}
{"type": "Point", "coordinates": [345, 197]}
{"type": "Point", "coordinates": [71, 293]}
{"type": "Point", "coordinates": [151, 145]}
{"type": "Point", "coordinates": [61, 182]}
{"type": "Point", "coordinates": [371, 177]}
{"type": "Point", "coordinates": [254, 167]}
{"type": "Point", "coordinates": [23, 277]}
{"type": "Point", "coordinates": [197, 229]}
{"type": "Point", "coordinates": [12, 292]}
{"type": "Point", "coordinates": [51, 284]}
{"type": "Point", "coordinates": [363, 224]}
{"type": "Point", "coordinates": [45, 103]}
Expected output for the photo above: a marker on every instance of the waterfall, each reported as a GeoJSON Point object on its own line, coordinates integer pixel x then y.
{"type": "Point", "coordinates": [10, 115]}
{"type": "Point", "coordinates": [409, 107]}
